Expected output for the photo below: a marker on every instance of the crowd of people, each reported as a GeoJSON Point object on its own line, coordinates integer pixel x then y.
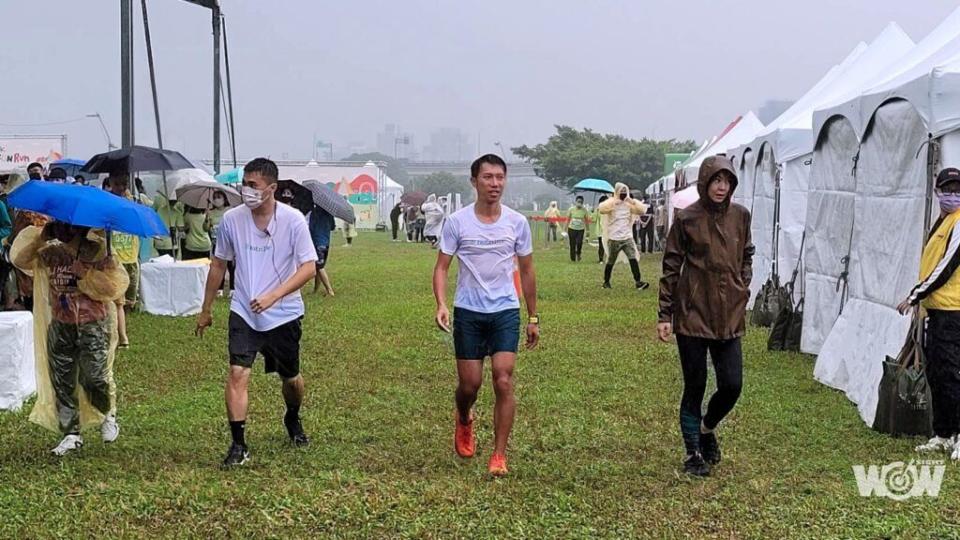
{"type": "Point", "coordinates": [420, 223]}
{"type": "Point", "coordinates": [81, 289]}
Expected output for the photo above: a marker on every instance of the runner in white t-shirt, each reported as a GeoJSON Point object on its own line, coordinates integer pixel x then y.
{"type": "Point", "coordinates": [274, 256]}
{"type": "Point", "coordinates": [486, 237]}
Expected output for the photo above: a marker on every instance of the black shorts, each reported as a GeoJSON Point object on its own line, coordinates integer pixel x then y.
{"type": "Point", "coordinates": [478, 335]}
{"type": "Point", "coordinates": [280, 346]}
{"type": "Point", "coordinates": [322, 252]}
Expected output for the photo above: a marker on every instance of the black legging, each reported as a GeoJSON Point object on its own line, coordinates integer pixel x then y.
{"type": "Point", "coordinates": [943, 371]}
{"type": "Point", "coordinates": [576, 243]}
{"type": "Point", "coordinates": [727, 358]}
{"type": "Point", "coordinates": [396, 227]}
{"type": "Point", "coordinates": [600, 248]}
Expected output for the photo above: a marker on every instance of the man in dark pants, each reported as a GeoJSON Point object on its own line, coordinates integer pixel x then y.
{"type": "Point", "coordinates": [576, 227]}
{"type": "Point", "coordinates": [274, 255]}
{"type": "Point", "coordinates": [645, 228]}
{"type": "Point", "coordinates": [707, 266]}
{"type": "Point", "coordinates": [395, 221]}
{"type": "Point", "coordinates": [939, 293]}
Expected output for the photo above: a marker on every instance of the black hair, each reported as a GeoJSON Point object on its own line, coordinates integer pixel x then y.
{"type": "Point", "coordinates": [57, 173]}
{"type": "Point", "coordinates": [79, 178]}
{"type": "Point", "coordinates": [264, 167]}
{"type": "Point", "coordinates": [579, 198]}
{"type": "Point", "coordinates": [491, 159]}
{"type": "Point", "coordinates": [603, 198]}
{"type": "Point", "coordinates": [34, 164]}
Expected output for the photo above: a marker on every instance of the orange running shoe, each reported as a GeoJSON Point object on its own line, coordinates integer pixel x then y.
{"type": "Point", "coordinates": [498, 465]}
{"type": "Point", "coordinates": [464, 441]}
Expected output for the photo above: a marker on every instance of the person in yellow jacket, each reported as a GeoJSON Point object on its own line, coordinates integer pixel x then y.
{"type": "Point", "coordinates": [126, 247]}
{"type": "Point", "coordinates": [76, 283]}
{"type": "Point", "coordinates": [552, 214]}
{"type": "Point", "coordinates": [939, 293]}
{"type": "Point", "coordinates": [619, 212]}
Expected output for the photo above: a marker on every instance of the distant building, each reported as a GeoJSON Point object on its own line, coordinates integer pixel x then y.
{"type": "Point", "coordinates": [449, 144]}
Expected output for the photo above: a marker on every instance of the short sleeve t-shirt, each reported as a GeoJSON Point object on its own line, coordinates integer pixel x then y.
{"type": "Point", "coordinates": [126, 247]}
{"type": "Point", "coordinates": [197, 237]}
{"type": "Point", "coordinates": [264, 260]}
{"type": "Point", "coordinates": [578, 218]}
{"type": "Point", "coordinates": [485, 252]}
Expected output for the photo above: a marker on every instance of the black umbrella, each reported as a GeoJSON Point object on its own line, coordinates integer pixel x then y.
{"type": "Point", "coordinates": [137, 158]}
{"type": "Point", "coordinates": [296, 195]}
{"type": "Point", "coordinates": [330, 200]}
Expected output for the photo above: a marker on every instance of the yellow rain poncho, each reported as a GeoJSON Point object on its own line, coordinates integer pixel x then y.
{"type": "Point", "coordinates": [104, 284]}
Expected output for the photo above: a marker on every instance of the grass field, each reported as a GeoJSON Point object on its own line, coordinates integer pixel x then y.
{"type": "Point", "coordinates": [596, 449]}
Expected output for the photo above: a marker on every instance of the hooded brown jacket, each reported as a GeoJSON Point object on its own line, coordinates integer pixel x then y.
{"type": "Point", "coordinates": [707, 264]}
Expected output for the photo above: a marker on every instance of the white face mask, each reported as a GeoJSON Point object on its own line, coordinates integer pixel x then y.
{"type": "Point", "coordinates": [252, 197]}
{"type": "Point", "coordinates": [218, 202]}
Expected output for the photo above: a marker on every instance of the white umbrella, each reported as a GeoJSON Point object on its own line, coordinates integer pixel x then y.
{"type": "Point", "coordinates": [685, 197]}
{"type": "Point", "coordinates": [199, 194]}
{"type": "Point", "coordinates": [179, 178]}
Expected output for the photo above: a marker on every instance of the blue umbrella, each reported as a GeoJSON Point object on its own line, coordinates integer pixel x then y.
{"type": "Point", "coordinates": [595, 185]}
{"type": "Point", "coordinates": [71, 162]}
{"type": "Point", "coordinates": [87, 206]}
{"type": "Point", "coordinates": [230, 177]}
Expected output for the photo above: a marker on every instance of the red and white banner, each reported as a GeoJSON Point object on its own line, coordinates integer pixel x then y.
{"type": "Point", "coordinates": [16, 152]}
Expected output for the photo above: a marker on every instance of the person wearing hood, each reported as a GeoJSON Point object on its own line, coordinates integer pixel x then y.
{"type": "Point", "coordinates": [552, 214]}
{"type": "Point", "coordinates": [939, 294]}
{"type": "Point", "coordinates": [433, 214]}
{"type": "Point", "coordinates": [77, 283]}
{"type": "Point", "coordinates": [619, 212]}
{"type": "Point", "coordinates": [707, 267]}
{"type": "Point", "coordinates": [576, 227]}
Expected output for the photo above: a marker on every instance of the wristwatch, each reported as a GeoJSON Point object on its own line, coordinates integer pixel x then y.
{"type": "Point", "coordinates": [534, 319]}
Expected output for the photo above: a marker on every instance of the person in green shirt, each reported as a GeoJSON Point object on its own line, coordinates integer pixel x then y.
{"type": "Point", "coordinates": [171, 213]}
{"type": "Point", "coordinates": [576, 227]}
{"type": "Point", "coordinates": [197, 243]}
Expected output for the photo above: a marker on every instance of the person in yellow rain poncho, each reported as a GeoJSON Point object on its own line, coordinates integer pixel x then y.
{"type": "Point", "coordinates": [618, 214]}
{"type": "Point", "coordinates": [76, 285]}
{"type": "Point", "coordinates": [552, 215]}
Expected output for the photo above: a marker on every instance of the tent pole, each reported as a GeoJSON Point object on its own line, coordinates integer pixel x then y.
{"type": "Point", "coordinates": [153, 88]}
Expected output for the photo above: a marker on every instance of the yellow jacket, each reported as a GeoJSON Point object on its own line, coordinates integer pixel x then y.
{"type": "Point", "coordinates": [939, 286]}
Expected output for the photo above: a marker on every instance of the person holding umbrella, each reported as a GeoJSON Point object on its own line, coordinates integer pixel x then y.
{"type": "Point", "coordinates": [321, 224]}
{"type": "Point", "coordinates": [171, 212]}
{"type": "Point", "coordinates": [80, 280]}
{"type": "Point", "coordinates": [274, 256]}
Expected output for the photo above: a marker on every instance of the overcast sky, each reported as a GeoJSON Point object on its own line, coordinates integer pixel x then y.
{"type": "Point", "coordinates": [504, 69]}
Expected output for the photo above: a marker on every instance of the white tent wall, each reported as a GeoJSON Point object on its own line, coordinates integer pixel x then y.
{"type": "Point", "coordinates": [764, 201]}
{"type": "Point", "coordinates": [744, 193]}
{"type": "Point", "coordinates": [794, 188]}
{"type": "Point", "coordinates": [888, 236]}
{"type": "Point", "coordinates": [829, 226]}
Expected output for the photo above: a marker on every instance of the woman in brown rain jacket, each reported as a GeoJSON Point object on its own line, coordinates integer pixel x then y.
{"type": "Point", "coordinates": [707, 266]}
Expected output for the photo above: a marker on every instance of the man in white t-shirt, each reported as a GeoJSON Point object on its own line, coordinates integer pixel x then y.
{"type": "Point", "coordinates": [486, 237]}
{"type": "Point", "coordinates": [270, 245]}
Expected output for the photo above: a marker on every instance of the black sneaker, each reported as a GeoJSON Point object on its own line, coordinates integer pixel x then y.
{"type": "Point", "coordinates": [694, 465]}
{"type": "Point", "coordinates": [295, 431]}
{"type": "Point", "coordinates": [607, 285]}
{"type": "Point", "coordinates": [710, 448]}
{"type": "Point", "coordinates": [642, 285]}
{"type": "Point", "coordinates": [236, 456]}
